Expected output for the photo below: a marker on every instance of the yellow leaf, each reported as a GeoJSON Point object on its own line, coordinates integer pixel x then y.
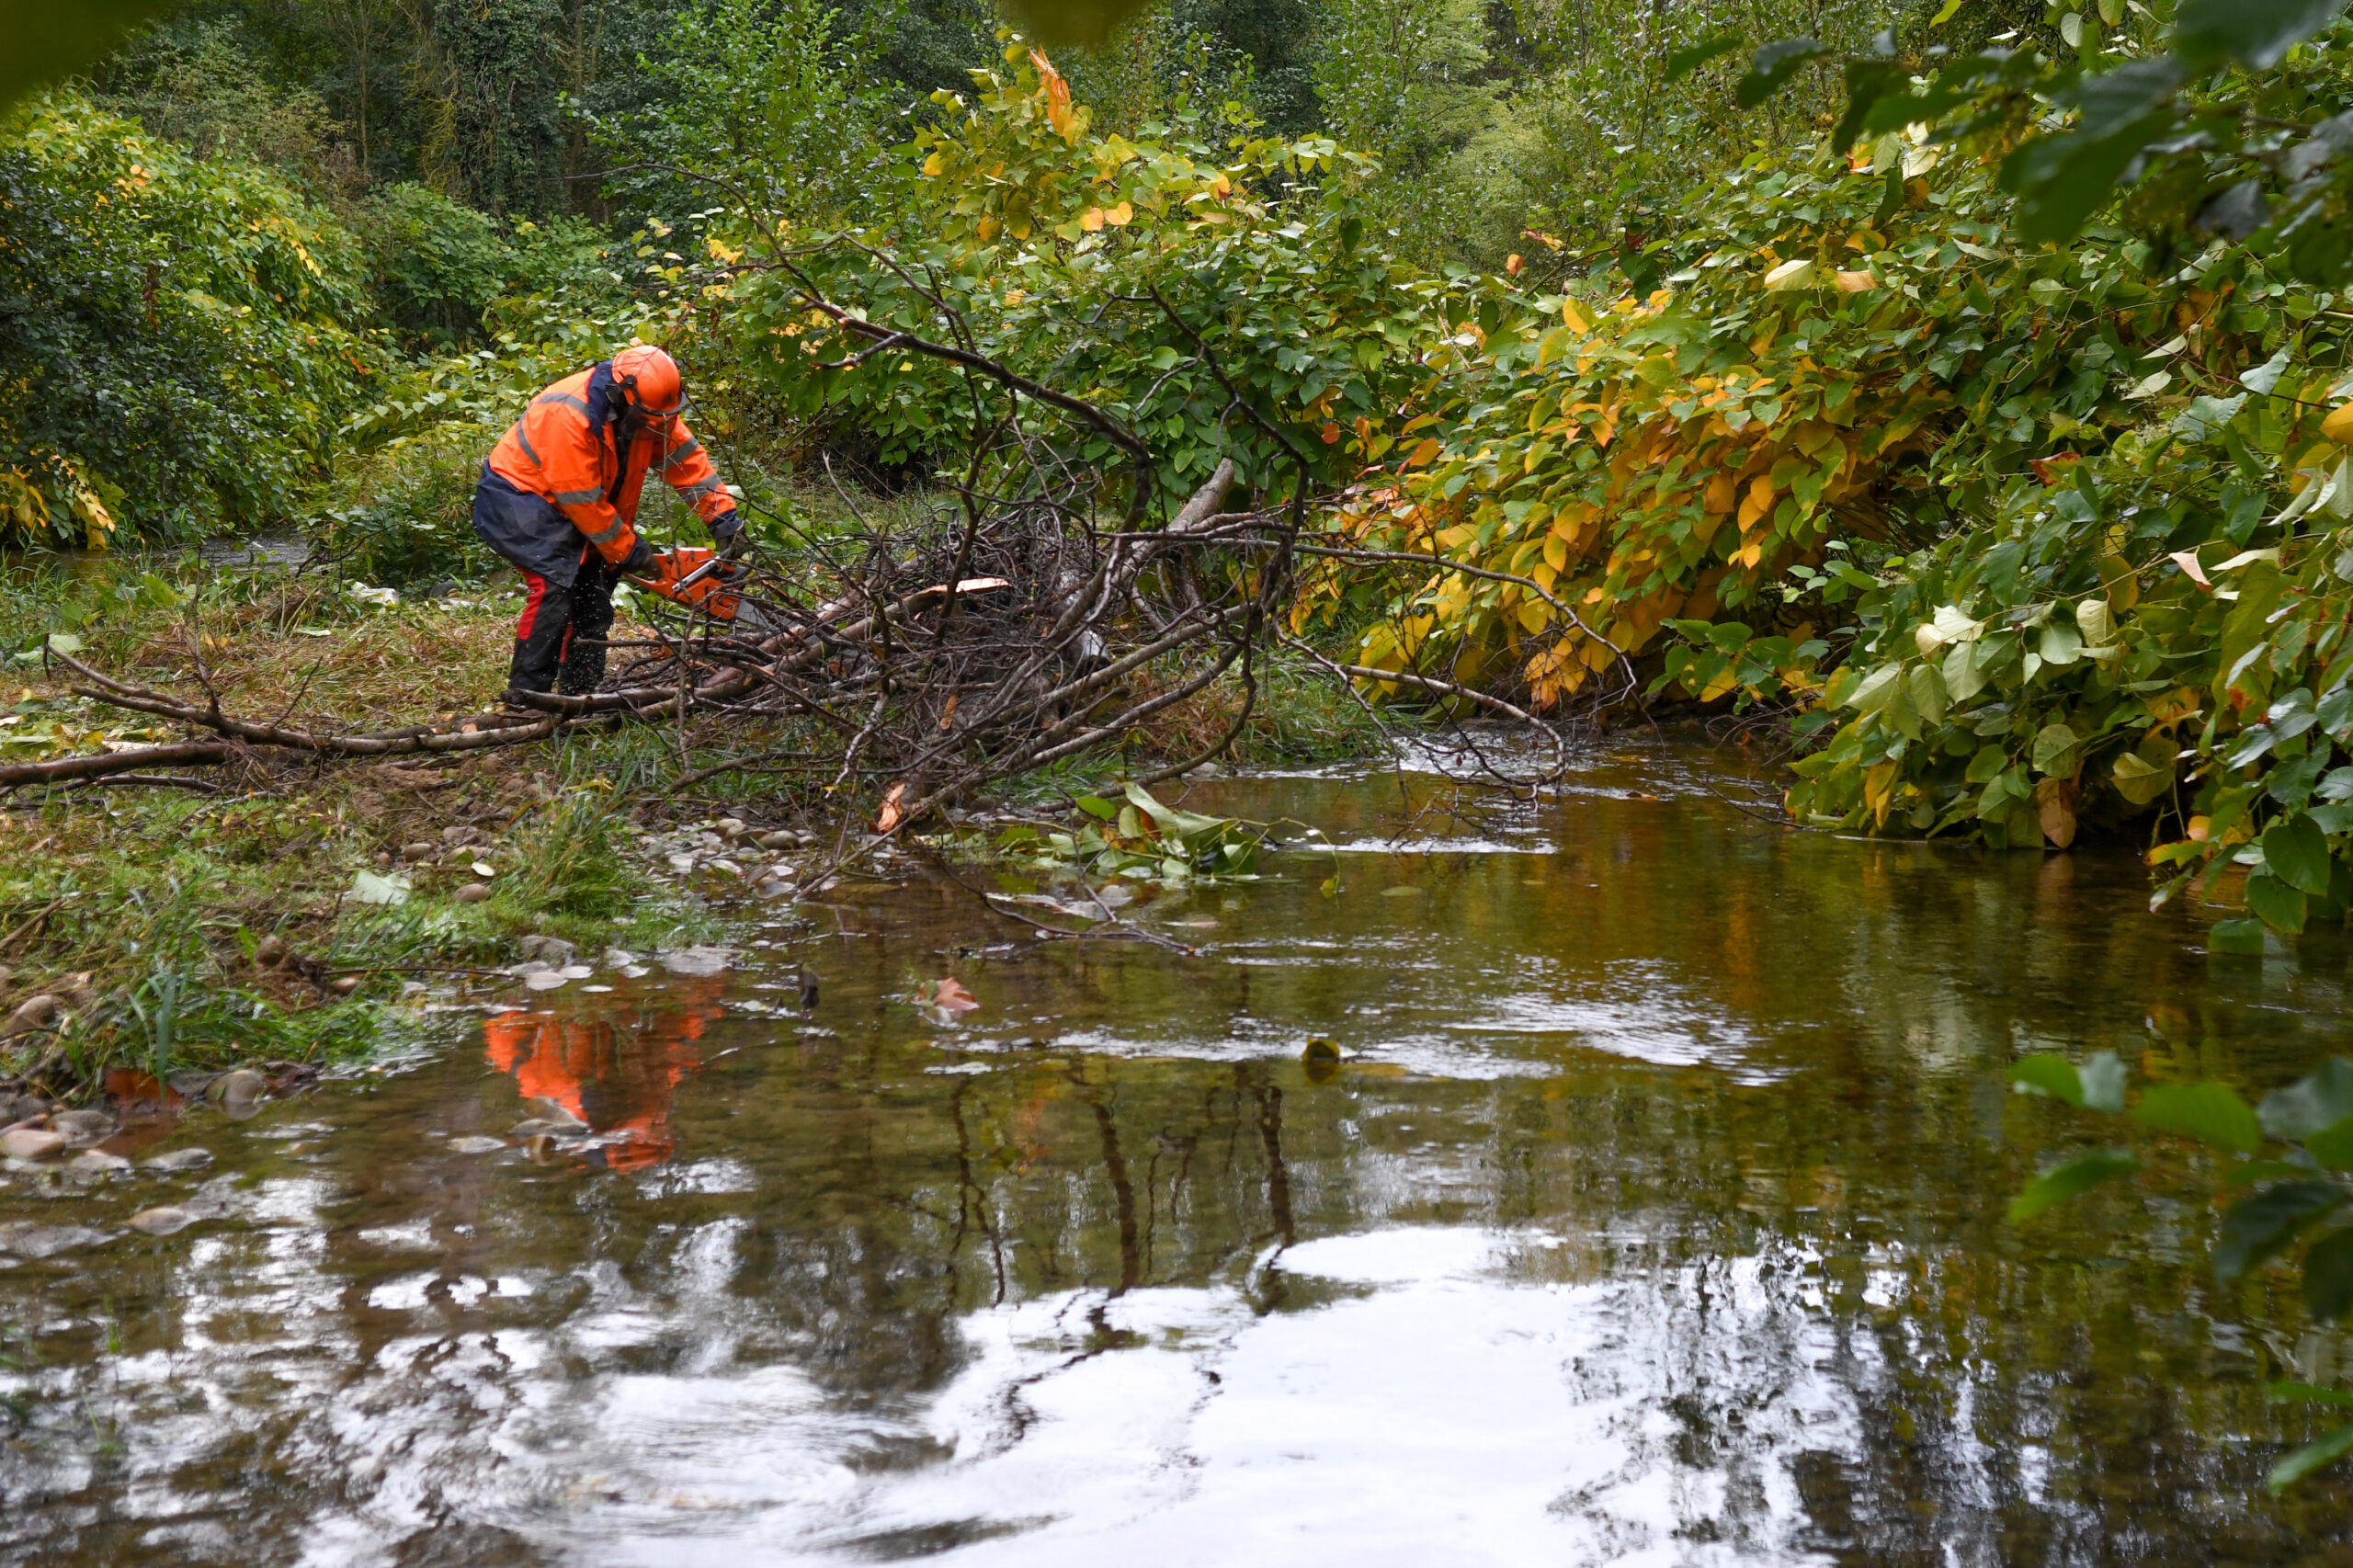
{"type": "Point", "coordinates": [1091, 219]}
{"type": "Point", "coordinates": [1120, 216]}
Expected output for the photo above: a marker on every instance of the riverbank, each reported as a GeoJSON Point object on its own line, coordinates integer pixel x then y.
{"type": "Point", "coordinates": [269, 910]}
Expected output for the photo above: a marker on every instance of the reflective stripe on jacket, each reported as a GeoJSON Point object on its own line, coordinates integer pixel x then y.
{"type": "Point", "coordinates": [562, 450]}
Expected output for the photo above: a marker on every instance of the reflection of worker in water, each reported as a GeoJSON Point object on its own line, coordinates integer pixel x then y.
{"type": "Point", "coordinates": [615, 1075]}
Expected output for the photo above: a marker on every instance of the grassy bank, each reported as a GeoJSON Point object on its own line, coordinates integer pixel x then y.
{"type": "Point", "coordinates": [155, 915]}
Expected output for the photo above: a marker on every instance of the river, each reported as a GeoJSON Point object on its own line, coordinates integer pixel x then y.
{"type": "Point", "coordinates": [1652, 1215]}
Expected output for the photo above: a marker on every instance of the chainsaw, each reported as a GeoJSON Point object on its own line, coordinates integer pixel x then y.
{"type": "Point", "coordinates": [694, 577]}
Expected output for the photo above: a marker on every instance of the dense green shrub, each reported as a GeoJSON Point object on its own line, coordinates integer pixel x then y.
{"type": "Point", "coordinates": [440, 266]}
{"type": "Point", "coordinates": [1178, 288]}
{"type": "Point", "coordinates": [176, 334]}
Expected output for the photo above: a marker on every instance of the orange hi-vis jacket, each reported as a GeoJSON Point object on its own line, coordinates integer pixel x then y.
{"type": "Point", "coordinates": [563, 450]}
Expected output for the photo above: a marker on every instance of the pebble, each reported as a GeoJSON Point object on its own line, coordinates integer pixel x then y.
{"type": "Point", "coordinates": [344, 985]}
{"type": "Point", "coordinates": [782, 839]}
{"type": "Point", "coordinates": [730, 827]}
{"type": "Point", "coordinates": [416, 851]}
{"type": "Point", "coordinates": [549, 949]}
{"type": "Point", "coordinates": [31, 1143]}
{"type": "Point", "coordinates": [236, 1091]}
{"type": "Point", "coordinates": [24, 1108]}
{"type": "Point", "coordinates": [545, 980]}
{"type": "Point", "coordinates": [619, 958]}
{"type": "Point", "coordinates": [83, 1127]}
{"type": "Point", "coordinates": [696, 962]}
{"type": "Point", "coordinates": [575, 972]}
{"type": "Point", "coordinates": [476, 1145]}
{"type": "Point", "coordinates": [271, 953]}
{"type": "Point", "coordinates": [212, 1199]}
{"type": "Point", "coordinates": [162, 1220]}
{"type": "Point", "coordinates": [97, 1162]}
{"type": "Point", "coordinates": [540, 1125]}
{"type": "Point", "coordinates": [177, 1160]}
{"type": "Point", "coordinates": [473, 892]}
{"type": "Point", "coordinates": [25, 1239]}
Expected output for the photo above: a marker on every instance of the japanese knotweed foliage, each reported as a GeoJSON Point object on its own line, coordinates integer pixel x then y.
{"type": "Point", "coordinates": [1170, 284]}
{"type": "Point", "coordinates": [2153, 632]}
{"type": "Point", "coordinates": [177, 337]}
{"type": "Point", "coordinates": [1795, 390]}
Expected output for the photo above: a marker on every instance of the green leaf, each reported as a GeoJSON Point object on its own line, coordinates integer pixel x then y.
{"type": "Point", "coordinates": [1867, 81]}
{"type": "Point", "coordinates": [1681, 63]}
{"type": "Point", "coordinates": [65, 642]}
{"type": "Point", "coordinates": [2328, 1275]}
{"type": "Point", "coordinates": [2311, 1457]}
{"type": "Point", "coordinates": [2261, 1225]}
{"type": "Point", "coordinates": [2281, 906]}
{"type": "Point", "coordinates": [1876, 690]}
{"type": "Point", "coordinates": [2314, 1103]}
{"type": "Point", "coordinates": [2296, 851]}
{"type": "Point", "coordinates": [2060, 180]}
{"type": "Point", "coordinates": [2332, 1146]}
{"type": "Point", "coordinates": [2139, 780]}
{"type": "Point", "coordinates": [2077, 1175]}
{"type": "Point", "coordinates": [2210, 1112]}
{"type": "Point", "coordinates": [2241, 936]}
{"type": "Point", "coordinates": [1773, 65]}
{"type": "Point", "coordinates": [2057, 748]}
{"type": "Point", "coordinates": [2290, 1391]}
{"type": "Point", "coordinates": [1095, 806]}
{"type": "Point", "coordinates": [2255, 33]}
{"type": "Point", "coordinates": [2047, 1074]}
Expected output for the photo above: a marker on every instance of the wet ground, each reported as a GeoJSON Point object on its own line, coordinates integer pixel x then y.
{"type": "Point", "coordinates": [1654, 1216]}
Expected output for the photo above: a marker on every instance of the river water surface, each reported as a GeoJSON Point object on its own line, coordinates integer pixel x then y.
{"type": "Point", "coordinates": [1654, 1216]}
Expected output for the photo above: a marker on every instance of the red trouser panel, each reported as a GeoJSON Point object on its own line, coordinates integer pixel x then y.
{"type": "Point", "coordinates": [560, 641]}
{"type": "Point", "coordinates": [538, 591]}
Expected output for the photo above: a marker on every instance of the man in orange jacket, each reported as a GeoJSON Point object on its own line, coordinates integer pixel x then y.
{"type": "Point", "coordinates": [558, 500]}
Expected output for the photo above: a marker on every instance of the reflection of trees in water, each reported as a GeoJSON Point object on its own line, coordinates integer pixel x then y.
{"type": "Point", "coordinates": [2005, 1396]}
{"type": "Point", "coordinates": [2005, 1401]}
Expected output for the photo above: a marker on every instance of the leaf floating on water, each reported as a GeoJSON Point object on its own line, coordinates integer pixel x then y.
{"type": "Point", "coordinates": [952, 998]}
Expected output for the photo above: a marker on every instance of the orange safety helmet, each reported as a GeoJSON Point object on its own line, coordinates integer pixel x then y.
{"type": "Point", "coordinates": [649, 382]}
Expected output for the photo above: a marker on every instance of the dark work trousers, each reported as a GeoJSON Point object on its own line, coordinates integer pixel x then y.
{"type": "Point", "coordinates": [559, 642]}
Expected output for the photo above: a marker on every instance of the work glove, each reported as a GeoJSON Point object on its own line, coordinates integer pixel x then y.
{"type": "Point", "coordinates": [727, 533]}
{"type": "Point", "coordinates": [638, 561]}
